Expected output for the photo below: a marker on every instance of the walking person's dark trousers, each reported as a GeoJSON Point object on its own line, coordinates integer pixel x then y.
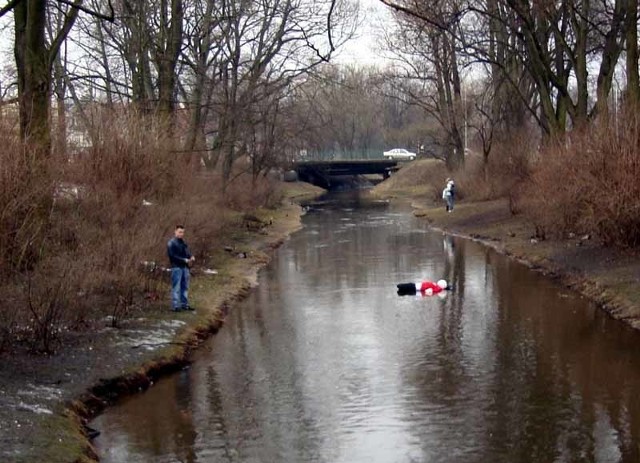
{"type": "Point", "coordinates": [449, 203]}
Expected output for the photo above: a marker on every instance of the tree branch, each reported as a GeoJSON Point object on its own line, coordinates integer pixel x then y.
{"type": "Point", "coordinates": [96, 14]}
{"type": "Point", "coordinates": [8, 7]}
{"type": "Point", "coordinates": [8, 102]}
{"type": "Point", "coordinates": [69, 20]}
{"type": "Point", "coordinates": [331, 46]}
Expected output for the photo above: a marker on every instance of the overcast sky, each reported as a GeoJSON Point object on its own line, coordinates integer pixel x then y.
{"type": "Point", "coordinates": [364, 49]}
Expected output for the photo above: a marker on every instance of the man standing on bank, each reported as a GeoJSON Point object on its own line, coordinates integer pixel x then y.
{"type": "Point", "coordinates": [181, 259]}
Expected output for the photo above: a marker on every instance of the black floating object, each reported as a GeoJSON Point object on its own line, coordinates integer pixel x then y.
{"type": "Point", "coordinates": [406, 289]}
{"type": "Point", "coordinates": [91, 433]}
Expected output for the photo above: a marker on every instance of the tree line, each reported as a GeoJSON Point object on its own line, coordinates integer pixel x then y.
{"type": "Point", "coordinates": [229, 76]}
{"type": "Point", "coordinates": [218, 74]}
{"type": "Point", "coordinates": [553, 64]}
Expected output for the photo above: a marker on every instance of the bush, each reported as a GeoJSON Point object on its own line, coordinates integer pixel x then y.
{"type": "Point", "coordinates": [588, 184]}
{"type": "Point", "coordinates": [25, 192]}
{"type": "Point", "coordinates": [502, 176]}
{"type": "Point", "coordinates": [246, 192]}
{"type": "Point", "coordinates": [74, 237]}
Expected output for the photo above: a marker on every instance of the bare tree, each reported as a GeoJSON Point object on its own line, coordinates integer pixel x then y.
{"type": "Point", "coordinates": [428, 74]}
{"type": "Point", "coordinates": [553, 41]}
{"type": "Point", "coordinates": [201, 56]}
{"type": "Point", "coordinates": [341, 113]}
{"type": "Point", "coordinates": [263, 50]}
{"type": "Point", "coordinates": [166, 51]}
{"type": "Point", "coordinates": [35, 59]}
{"type": "Point", "coordinates": [485, 123]}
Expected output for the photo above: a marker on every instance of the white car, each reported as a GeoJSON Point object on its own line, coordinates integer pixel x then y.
{"type": "Point", "coordinates": [399, 153]}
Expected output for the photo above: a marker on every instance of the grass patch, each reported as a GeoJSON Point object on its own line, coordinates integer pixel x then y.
{"type": "Point", "coordinates": [60, 440]}
{"type": "Point", "coordinates": [424, 178]}
{"type": "Point", "coordinates": [301, 191]}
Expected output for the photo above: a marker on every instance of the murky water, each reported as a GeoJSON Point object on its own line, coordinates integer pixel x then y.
{"type": "Point", "coordinates": [325, 363]}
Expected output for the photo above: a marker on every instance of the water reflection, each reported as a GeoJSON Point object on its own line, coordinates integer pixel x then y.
{"type": "Point", "coordinates": [324, 363]}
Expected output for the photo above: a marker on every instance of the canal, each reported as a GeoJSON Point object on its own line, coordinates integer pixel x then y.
{"type": "Point", "coordinates": [325, 363]}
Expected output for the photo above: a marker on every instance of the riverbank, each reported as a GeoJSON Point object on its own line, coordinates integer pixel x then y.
{"type": "Point", "coordinates": [608, 276]}
{"type": "Point", "coordinates": [44, 401]}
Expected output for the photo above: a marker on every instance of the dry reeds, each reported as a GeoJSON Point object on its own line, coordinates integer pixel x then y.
{"type": "Point", "coordinates": [503, 173]}
{"type": "Point", "coordinates": [74, 234]}
{"type": "Point", "coordinates": [588, 183]}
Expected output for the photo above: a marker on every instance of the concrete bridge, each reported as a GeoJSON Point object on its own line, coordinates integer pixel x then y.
{"type": "Point", "coordinates": [322, 173]}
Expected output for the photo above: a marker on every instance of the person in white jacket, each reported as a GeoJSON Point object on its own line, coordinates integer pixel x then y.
{"type": "Point", "coordinates": [448, 194]}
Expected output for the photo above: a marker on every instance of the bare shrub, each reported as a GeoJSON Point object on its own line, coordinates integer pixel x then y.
{"type": "Point", "coordinates": [47, 297]}
{"type": "Point", "coordinates": [132, 192]}
{"type": "Point", "coordinates": [588, 183]}
{"type": "Point", "coordinates": [97, 250]}
{"type": "Point", "coordinates": [200, 207]}
{"type": "Point", "coordinates": [8, 319]}
{"type": "Point", "coordinates": [504, 172]}
{"type": "Point", "coordinates": [246, 192]}
{"type": "Point", "coordinates": [27, 190]}
{"type": "Point", "coordinates": [132, 156]}
{"type": "Point", "coordinates": [24, 204]}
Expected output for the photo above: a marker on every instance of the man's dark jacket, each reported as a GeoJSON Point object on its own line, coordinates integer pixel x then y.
{"type": "Point", "coordinates": [178, 251]}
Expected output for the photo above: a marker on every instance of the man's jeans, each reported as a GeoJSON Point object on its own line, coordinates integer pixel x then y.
{"type": "Point", "coordinates": [179, 287]}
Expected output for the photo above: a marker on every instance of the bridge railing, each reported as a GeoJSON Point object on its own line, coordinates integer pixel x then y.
{"type": "Point", "coordinates": [374, 153]}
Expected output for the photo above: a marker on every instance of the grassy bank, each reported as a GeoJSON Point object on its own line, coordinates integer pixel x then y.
{"type": "Point", "coordinates": [608, 275]}
{"type": "Point", "coordinates": [46, 399]}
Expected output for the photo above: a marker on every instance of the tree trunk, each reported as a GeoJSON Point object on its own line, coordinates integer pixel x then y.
{"type": "Point", "coordinates": [105, 64]}
{"type": "Point", "coordinates": [137, 54]}
{"type": "Point", "coordinates": [34, 62]}
{"type": "Point", "coordinates": [55, 23]}
{"type": "Point", "coordinates": [168, 52]}
{"type": "Point", "coordinates": [201, 97]}
{"type": "Point", "coordinates": [456, 104]}
{"type": "Point", "coordinates": [610, 55]}
{"type": "Point", "coordinates": [631, 37]}
{"type": "Point", "coordinates": [34, 74]}
{"type": "Point", "coordinates": [60, 147]}
{"type": "Point", "coordinates": [581, 64]}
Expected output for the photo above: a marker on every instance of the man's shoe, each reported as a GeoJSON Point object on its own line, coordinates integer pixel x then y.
{"type": "Point", "coordinates": [188, 307]}
{"type": "Point", "coordinates": [176, 309]}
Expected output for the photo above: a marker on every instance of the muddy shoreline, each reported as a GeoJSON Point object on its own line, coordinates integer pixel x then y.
{"type": "Point", "coordinates": [47, 401]}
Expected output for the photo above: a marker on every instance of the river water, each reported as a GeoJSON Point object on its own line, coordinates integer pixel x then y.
{"type": "Point", "coordinates": [325, 363]}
